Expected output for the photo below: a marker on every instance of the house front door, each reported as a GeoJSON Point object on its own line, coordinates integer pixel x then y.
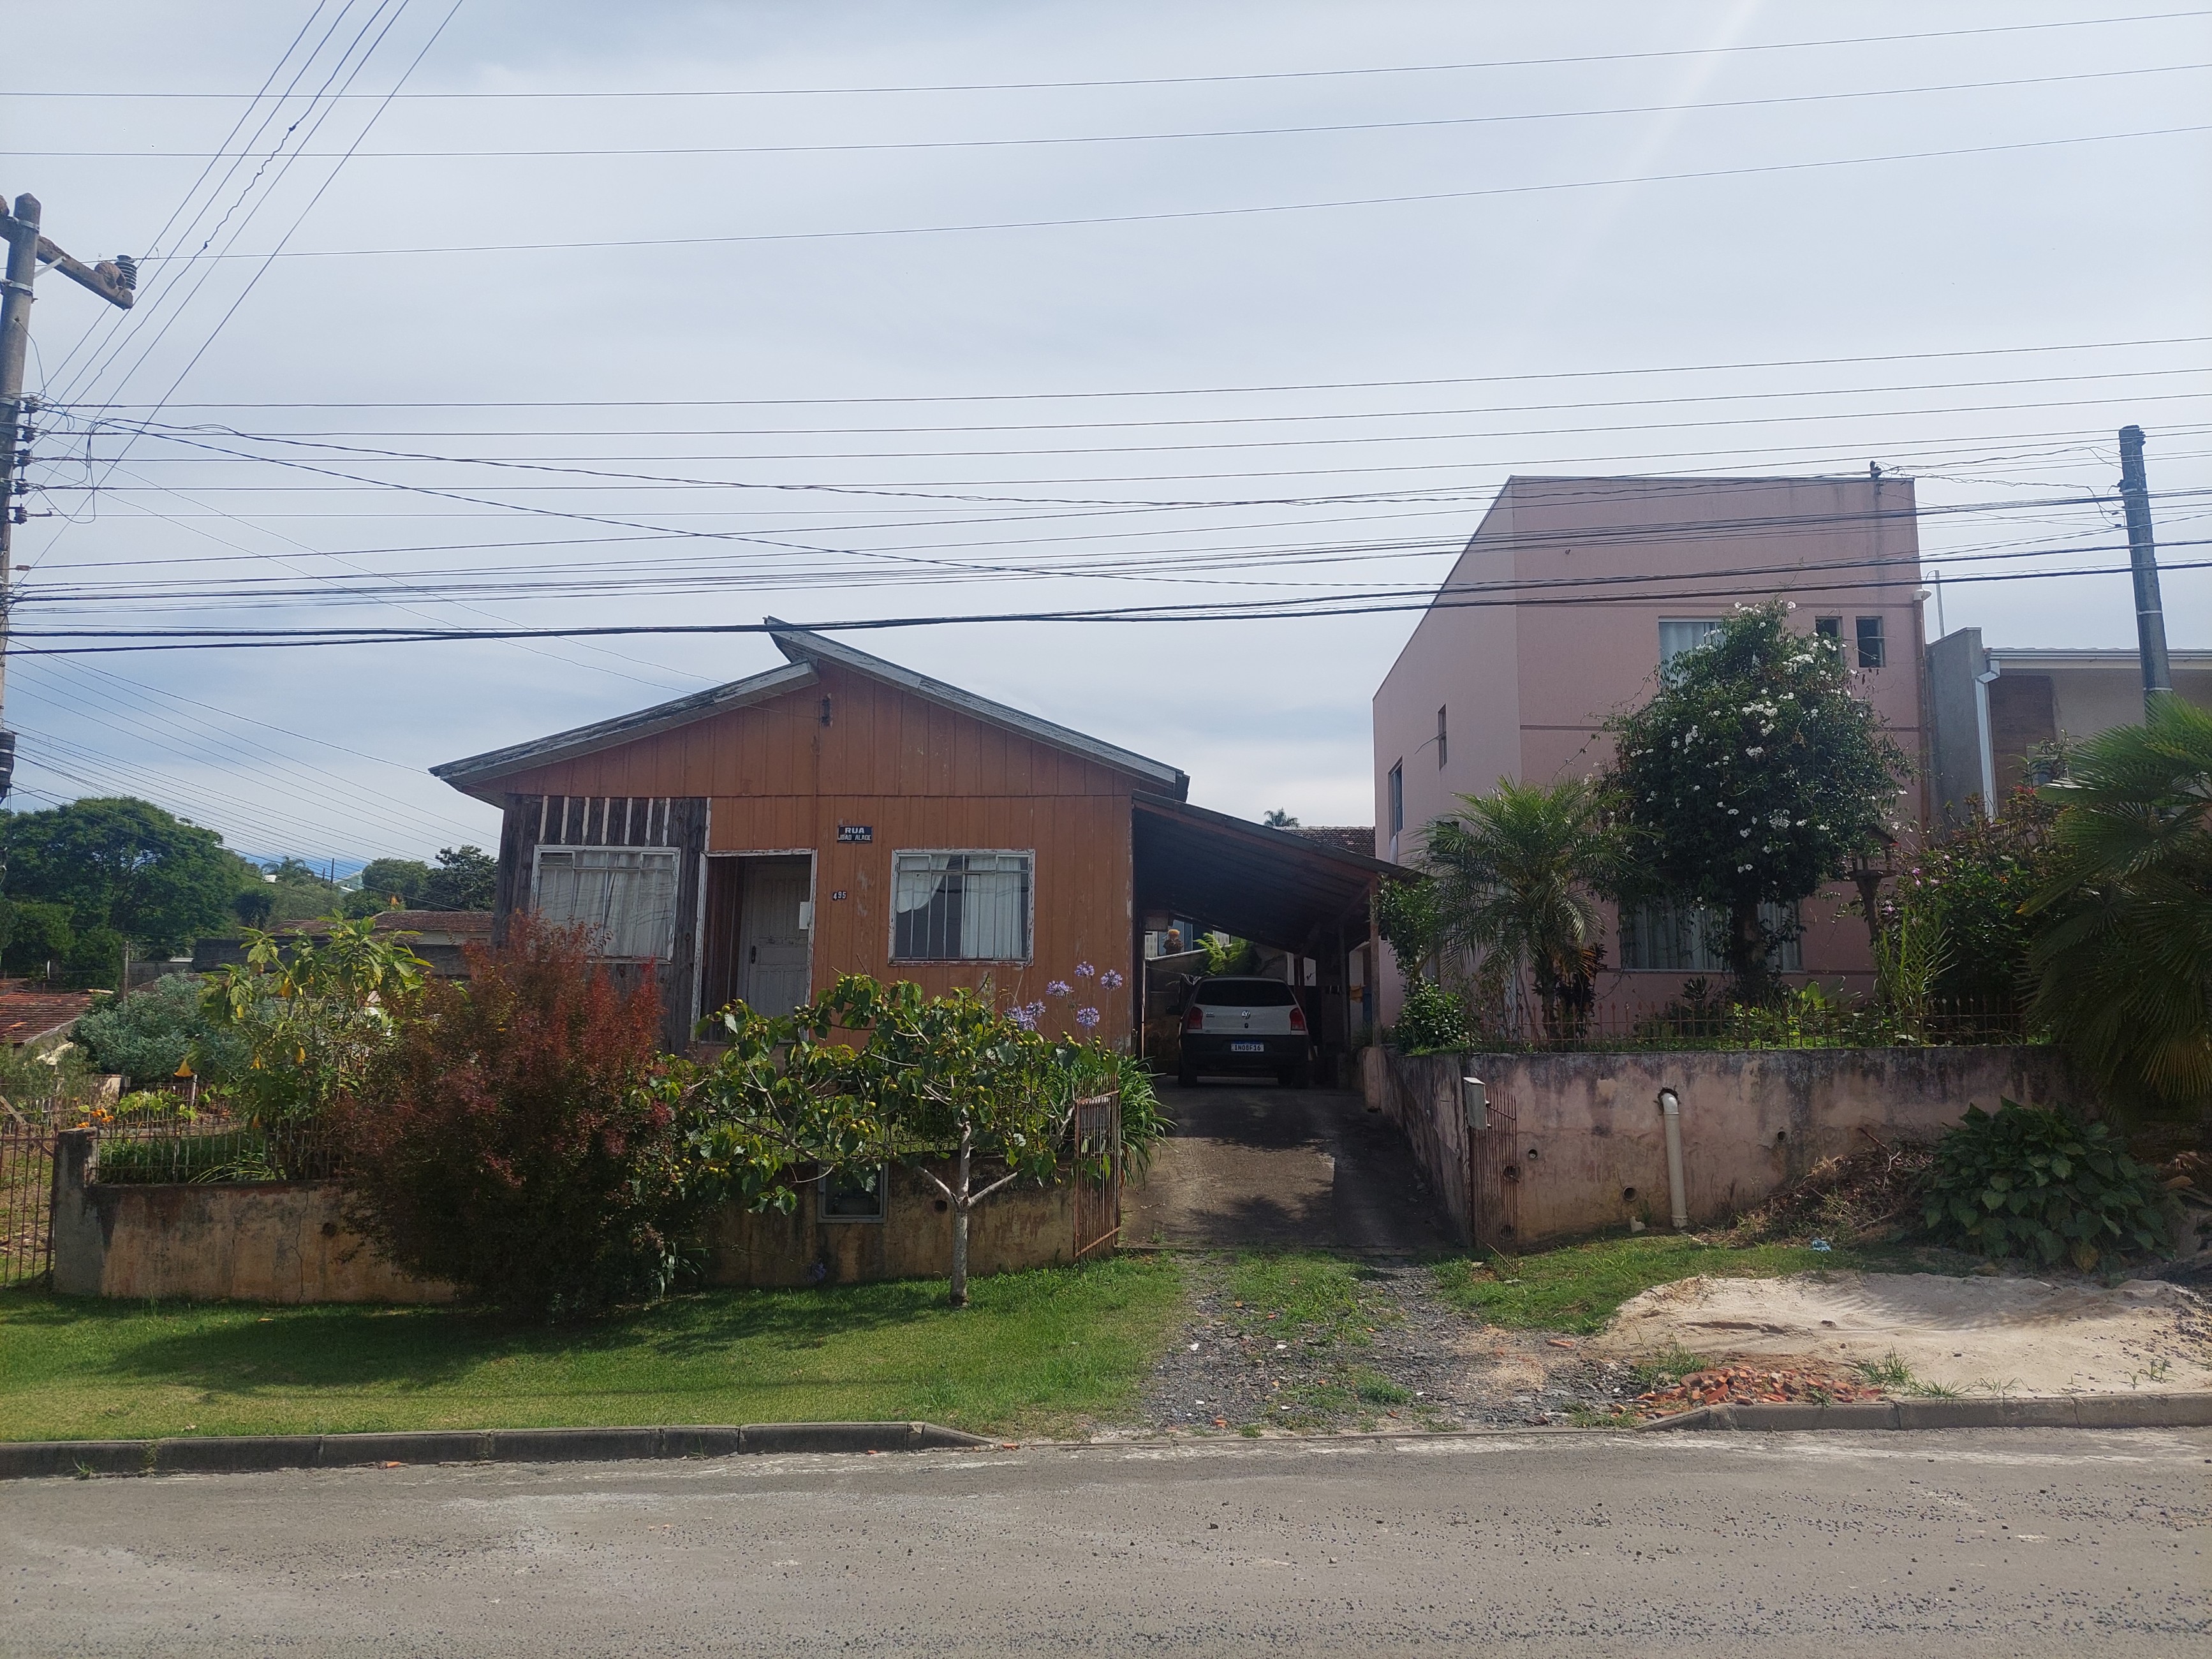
{"type": "Point", "coordinates": [772, 945]}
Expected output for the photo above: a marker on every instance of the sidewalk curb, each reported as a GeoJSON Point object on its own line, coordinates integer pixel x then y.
{"type": "Point", "coordinates": [248, 1454]}
{"type": "Point", "coordinates": [2083, 1411]}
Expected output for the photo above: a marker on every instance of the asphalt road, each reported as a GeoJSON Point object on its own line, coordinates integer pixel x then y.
{"type": "Point", "coordinates": [1256, 1163]}
{"type": "Point", "coordinates": [2002, 1542]}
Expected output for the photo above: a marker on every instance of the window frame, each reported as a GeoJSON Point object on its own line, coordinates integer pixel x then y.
{"type": "Point", "coordinates": [1396, 790]}
{"type": "Point", "coordinates": [821, 1216]}
{"type": "Point", "coordinates": [1029, 912]}
{"type": "Point", "coordinates": [1859, 633]}
{"type": "Point", "coordinates": [1443, 740]}
{"type": "Point", "coordinates": [672, 854]}
{"type": "Point", "coordinates": [1788, 956]}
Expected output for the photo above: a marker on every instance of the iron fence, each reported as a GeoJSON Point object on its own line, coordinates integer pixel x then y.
{"type": "Point", "coordinates": [211, 1147]}
{"type": "Point", "coordinates": [1795, 1023]}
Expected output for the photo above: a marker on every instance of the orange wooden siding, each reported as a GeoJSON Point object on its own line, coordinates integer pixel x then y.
{"type": "Point", "coordinates": [778, 779]}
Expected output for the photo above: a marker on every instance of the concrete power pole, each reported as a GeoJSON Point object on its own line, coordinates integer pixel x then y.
{"type": "Point", "coordinates": [114, 281]}
{"type": "Point", "coordinates": [2142, 554]}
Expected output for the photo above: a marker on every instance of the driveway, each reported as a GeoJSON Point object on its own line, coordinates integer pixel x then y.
{"type": "Point", "coordinates": [1257, 1164]}
{"type": "Point", "coordinates": [2008, 1541]}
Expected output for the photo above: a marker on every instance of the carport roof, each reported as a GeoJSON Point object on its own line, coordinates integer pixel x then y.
{"type": "Point", "coordinates": [1270, 885]}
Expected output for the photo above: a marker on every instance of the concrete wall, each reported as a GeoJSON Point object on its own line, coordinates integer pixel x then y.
{"type": "Point", "coordinates": [1019, 1227]}
{"type": "Point", "coordinates": [1576, 1142]}
{"type": "Point", "coordinates": [287, 1242]}
{"type": "Point", "coordinates": [204, 1242]}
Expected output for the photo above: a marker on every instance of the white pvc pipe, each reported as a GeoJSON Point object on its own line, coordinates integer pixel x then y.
{"type": "Point", "coordinates": [1670, 1108]}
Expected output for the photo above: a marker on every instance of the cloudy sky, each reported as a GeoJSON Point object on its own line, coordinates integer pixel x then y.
{"type": "Point", "coordinates": [525, 316]}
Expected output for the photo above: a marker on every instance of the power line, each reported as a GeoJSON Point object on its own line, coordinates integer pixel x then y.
{"type": "Point", "coordinates": [1226, 391]}
{"type": "Point", "coordinates": [243, 639]}
{"type": "Point", "coordinates": [1172, 215]}
{"type": "Point", "coordinates": [664, 152]}
{"type": "Point", "coordinates": [1247, 76]}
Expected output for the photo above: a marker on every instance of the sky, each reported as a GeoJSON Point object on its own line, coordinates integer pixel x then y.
{"type": "Point", "coordinates": [503, 316]}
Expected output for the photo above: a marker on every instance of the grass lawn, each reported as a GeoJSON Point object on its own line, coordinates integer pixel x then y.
{"type": "Point", "coordinates": [1578, 1287]}
{"type": "Point", "coordinates": [1034, 1352]}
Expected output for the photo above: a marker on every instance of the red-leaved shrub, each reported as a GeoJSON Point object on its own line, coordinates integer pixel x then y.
{"type": "Point", "coordinates": [510, 1141]}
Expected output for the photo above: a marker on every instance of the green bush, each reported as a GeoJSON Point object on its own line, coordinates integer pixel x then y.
{"type": "Point", "coordinates": [1433, 1021]}
{"type": "Point", "coordinates": [148, 1034]}
{"type": "Point", "coordinates": [2029, 1178]}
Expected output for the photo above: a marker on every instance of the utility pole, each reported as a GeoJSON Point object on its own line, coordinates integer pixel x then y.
{"type": "Point", "coordinates": [116, 281]}
{"type": "Point", "coordinates": [2142, 554]}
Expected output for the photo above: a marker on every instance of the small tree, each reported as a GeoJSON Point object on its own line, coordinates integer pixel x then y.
{"type": "Point", "coordinates": [1751, 777]}
{"type": "Point", "coordinates": [2121, 960]}
{"type": "Point", "coordinates": [516, 1138]}
{"type": "Point", "coordinates": [950, 1077]}
{"type": "Point", "coordinates": [312, 1015]}
{"type": "Point", "coordinates": [1513, 880]}
{"type": "Point", "coordinates": [466, 878]}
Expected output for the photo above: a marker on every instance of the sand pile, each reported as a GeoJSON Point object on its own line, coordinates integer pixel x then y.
{"type": "Point", "coordinates": [1975, 1335]}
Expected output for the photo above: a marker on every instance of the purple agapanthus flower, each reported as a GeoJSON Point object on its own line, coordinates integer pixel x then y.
{"type": "Point", "coordinates": [1036, 1011]}
{"type": "Point", "coordinates": [1086, 1017]}
{"type": "Point", "coordinates": [1110, 980]}
{"type": "Point", "coordinates": [1084, 970]}
{"type": "Point", "coordinates": [1021, 1016]}
{"type": "Point", "coordinates": [1057, 987]}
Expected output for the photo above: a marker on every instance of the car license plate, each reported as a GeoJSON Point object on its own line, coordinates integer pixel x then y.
{"type": "Point", "coordinates": [1247, 1048]}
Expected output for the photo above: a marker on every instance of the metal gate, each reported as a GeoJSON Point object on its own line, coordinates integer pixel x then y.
{"type": "Point", "coordinates": [1098, 1173]}
{"type": "Point", "coordinates": [1493, 1157]}
{"type": "Point", "coordinates": [26, 1196]}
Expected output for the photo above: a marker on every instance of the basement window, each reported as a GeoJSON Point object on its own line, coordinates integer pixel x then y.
{"type": "Point", "coordinates": [855, 1194]}
{"type": "Point", "coordinates": [961, 907]}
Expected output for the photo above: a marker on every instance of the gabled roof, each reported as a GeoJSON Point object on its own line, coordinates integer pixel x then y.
{"type": "Point", "coordinates": [804, 649]}
{"type": "Point", "coordinates": [803, 646]}
{"type": "Point", "coordinates": [477, 770]}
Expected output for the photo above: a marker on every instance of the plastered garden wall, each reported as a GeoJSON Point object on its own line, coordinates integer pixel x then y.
{"type": "Point", "coordinates": [1576, 1143]}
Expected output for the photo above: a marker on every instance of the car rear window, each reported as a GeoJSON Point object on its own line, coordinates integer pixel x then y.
{"type": "Point", "coordinates": [1244, 994]}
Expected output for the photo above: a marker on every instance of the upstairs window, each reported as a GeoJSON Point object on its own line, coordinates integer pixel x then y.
{"type": "Point", "coordinates": [1440, 740]}
{"type": "Point", "coordinates": [1829, 627]}
{"type": "Point", "coordinates": [1872, 654]}
{"type": "Point", "coordinates": [1397, 798]}
{"type": "Point", "coordinates": [961, 907]}
{"type": "Point", "coordinates": [1681, 634]}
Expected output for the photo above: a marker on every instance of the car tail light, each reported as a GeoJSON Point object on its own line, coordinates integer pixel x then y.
{"type": "Point", "coordinates": [1195, 1020]}
{"type": "Point", "coordinates": [1298, 1019]}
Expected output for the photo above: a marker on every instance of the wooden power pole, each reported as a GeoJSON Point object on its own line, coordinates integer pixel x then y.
{"type": "Point", "coordinates": [115, 281]}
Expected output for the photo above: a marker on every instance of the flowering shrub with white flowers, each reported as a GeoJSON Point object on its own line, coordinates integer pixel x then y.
{"type": "Point", "coordinates": [1752, 776]}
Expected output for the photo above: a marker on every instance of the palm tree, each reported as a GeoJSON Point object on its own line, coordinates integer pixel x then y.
{"type": "Point", "coordinates": [2121, 966]}
{"type": "Point", "coordinates": [1513, 876]}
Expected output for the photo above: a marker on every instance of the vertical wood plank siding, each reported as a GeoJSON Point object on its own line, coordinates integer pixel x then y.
{"type": "Point", "coordinates": [779, 777]}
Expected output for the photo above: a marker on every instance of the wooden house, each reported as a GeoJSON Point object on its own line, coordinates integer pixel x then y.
{"type": "Point", "coordinates": [843, 814]}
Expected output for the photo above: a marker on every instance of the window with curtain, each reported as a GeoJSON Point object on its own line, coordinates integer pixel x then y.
{"type": "Point", "coordinates": [626, 896]}
{"type": "Point", "coordinates": [1690, 939]}
{"type": "Point", "coordinates": [1681, 634]}
{"type": "Point", "coordinates": [960, 907]}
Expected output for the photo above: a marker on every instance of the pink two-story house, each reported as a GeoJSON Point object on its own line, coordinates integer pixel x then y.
{"type": "Point", "coordinates": [1569, 597]}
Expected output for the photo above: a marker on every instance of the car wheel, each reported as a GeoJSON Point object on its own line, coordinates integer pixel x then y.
{"type": "Point", "coordinates": [1296, 1077]}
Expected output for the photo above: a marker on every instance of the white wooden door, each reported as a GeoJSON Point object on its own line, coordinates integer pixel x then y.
{"type": "Point", "coordinates": [772, 947]}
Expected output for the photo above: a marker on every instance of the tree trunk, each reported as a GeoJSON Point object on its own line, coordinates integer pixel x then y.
{"type": "Point", "coordinates": [1746, 954]}
{"type": "Point", "coordinates": [960, 1206]}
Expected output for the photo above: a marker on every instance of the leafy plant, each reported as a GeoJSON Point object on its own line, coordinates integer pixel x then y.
{"type": "Point", "coordinates": [311, 1015]}
{"type": "Point", "coordinates": [1432, 1021]}
{"type": "Point", "coordinates": [511, 1139]}
{"type": "Point", "coordinates": [1910, 955]}
{"type": "Point", "coordinates": [1513, 879]}
{"type": "Point", "coordinates": [1228, 955]}
{"type": "Point", "coordinates": [1406, 916]}
{"type": "Point", "coordinates": [2029, 1178]}
{"type": "Point", "coordinates": [148, 1034]}
{"type": "Point", "coordinates": [1751, 777]}
{"type": "Point", "coordinates": [2122, 959]}
{"type": "Point", "coordinates": [1972, 883]}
